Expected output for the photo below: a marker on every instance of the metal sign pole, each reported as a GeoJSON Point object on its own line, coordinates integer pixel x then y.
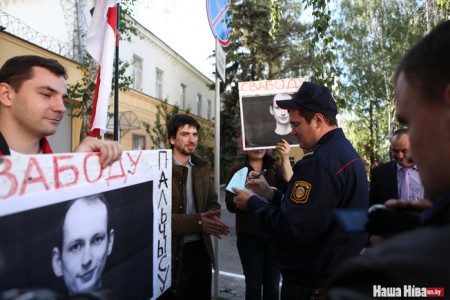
{"type": "Point", "coordinates": [218, 21]}
{"type": "Point", "coordinates": [217, 174]}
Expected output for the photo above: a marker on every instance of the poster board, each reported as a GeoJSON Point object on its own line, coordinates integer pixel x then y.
{"type": "Point", "coordinates": [258, 121]}
{"type": "Point", "coordinates": [38, 191]}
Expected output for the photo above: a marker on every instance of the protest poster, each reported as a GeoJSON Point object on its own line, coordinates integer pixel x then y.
{"type": "Point", "coordinates": [67, 225]}
{"type": "Point", "coordinates": [264, 124]}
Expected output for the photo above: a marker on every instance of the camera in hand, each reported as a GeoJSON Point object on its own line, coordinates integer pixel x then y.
{"type": "Point", "coordinates": [387, 222]}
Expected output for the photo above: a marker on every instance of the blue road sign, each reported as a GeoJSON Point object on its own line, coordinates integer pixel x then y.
{"type": "Point", "coordinates": [218, 20]}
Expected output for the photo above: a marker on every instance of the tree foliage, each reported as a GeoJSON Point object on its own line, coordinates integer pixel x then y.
{"type": "Point", "coordinates": [271, 40]}
{"type": "Point", "coordinates": [255, 54]}
{"type": "Point", "coordinates": [374, 36]}
{"type": "Point", "coordinates": [158, 132]}
{"type": "Point", "coordinates": [324, 69]}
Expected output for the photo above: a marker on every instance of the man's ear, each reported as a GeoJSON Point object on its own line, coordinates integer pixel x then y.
{"type": "Point", "coordinates": [172, 141]}
{"type": "Point", "coordinates": [5, 94]}
{"type": "Point", "coordinates": [271, 110]}
{"type": "Point", "coordinates": [56, 262]}
{"type": "Point", "coordinates": [320, 119]}
{"type": "Point", "coordinates": [110, 241]}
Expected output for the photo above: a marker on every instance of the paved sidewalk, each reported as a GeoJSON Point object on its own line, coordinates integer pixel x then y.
{"type": "Point", "coordinates": [231, 286]}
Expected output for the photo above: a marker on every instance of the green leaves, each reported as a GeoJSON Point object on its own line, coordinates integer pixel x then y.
{"type": "Point", "coordinates": [372, 38]}
{"type": "Point", "coordinates": [275, 17]}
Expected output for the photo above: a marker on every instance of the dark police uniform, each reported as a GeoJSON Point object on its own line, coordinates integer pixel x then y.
{"type": "Point", "coordinates": [309, 242]}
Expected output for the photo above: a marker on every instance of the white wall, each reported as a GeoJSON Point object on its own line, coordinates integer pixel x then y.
{"type": "Point", "coordinates": [156, 54]}
{"type": "Point", "coordinates": [45, 16]}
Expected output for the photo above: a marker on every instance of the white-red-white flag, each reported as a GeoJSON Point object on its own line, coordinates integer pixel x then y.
{"type": "Point", "coordinates": [100, 43]}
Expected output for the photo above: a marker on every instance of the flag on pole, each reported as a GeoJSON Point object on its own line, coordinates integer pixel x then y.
{"type": "Point", "coordinates": [100, 43]}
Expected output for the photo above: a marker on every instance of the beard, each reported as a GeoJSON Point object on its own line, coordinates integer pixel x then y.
{"type": "Point", "coordinates": [186, 150]}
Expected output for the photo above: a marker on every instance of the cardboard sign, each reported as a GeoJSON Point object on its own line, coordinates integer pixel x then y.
{"type": "Point", "coordinates": [264, 124]}
{"type": "Point", "coordinates": [67, 225]}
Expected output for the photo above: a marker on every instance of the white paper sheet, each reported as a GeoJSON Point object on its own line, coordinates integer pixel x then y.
{"type": "Point", "coordinates": [238, 180]}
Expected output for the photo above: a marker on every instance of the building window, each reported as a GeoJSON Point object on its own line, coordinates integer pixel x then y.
{"type": "Point", "coordinates": [159, 83]}
{"type": "Point", "coordinates": [199, 105]}
{"type": "Point", "coordinates": [183, 96]}
{"type": "Point", "coordinates": [137, 73]}
{"type": "Point", "coordinates": [138, 142]}
{"type": "Point", "coordinates": [209, 110]}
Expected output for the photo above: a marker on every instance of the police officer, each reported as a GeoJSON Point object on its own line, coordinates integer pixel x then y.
{"type": "Point", "coordinates": [309, 243]}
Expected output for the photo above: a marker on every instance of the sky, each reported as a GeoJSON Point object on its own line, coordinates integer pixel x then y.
{"type": "Point", "coordinates": [184, 26]}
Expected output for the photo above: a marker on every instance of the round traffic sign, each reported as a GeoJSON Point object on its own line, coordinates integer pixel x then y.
{"type": "Point", "coordinates": [219, 18]}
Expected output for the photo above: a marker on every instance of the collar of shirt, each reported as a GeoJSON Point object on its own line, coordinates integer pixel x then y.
{"type": "Point", "coordinates": [179, 164]}
{"type": "Point", "coordinates": [399, 167]}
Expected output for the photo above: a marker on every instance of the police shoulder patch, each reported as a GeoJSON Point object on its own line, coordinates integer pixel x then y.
{"type": "Point", "coordinates": [300, 191]}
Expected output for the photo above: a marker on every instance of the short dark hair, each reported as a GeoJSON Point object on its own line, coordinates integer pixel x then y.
{"type": "Point", "coordinates": [18, 69]}
{"type": "Point", "coordinates": [92, 197]}
{"type": "Point", "coordinates": [178, 121]}
{"type": "Point", "coordinates": [398, 133]}
{"type": "Point", "coordinates": [427, 64]}
{"type": "Point", "coordinates": [309, 115]}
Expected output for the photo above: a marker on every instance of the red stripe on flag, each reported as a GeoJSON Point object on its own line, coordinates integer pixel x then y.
{"type": "Point", "coordinates": [112, 21]}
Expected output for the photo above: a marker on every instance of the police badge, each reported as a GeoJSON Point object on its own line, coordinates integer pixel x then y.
{"type": "Point", "coordinates": [300, 191]}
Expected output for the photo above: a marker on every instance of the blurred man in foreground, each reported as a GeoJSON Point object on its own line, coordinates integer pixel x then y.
{"type": "Point", "coordinates": [416, 263]}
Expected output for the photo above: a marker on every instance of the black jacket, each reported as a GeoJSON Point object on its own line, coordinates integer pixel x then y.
{"type": "Point", "coordinates": [383, 183]}
{"type": "Point", "coordinates": [418, 258]}
{"type": "Point", "coordinates": [245, 220]}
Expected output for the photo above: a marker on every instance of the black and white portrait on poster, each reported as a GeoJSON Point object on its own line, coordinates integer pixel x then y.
{"type": "Point", "coordinates": [68, 226]}
{"type": "Point", "coordinates": [264, 124]}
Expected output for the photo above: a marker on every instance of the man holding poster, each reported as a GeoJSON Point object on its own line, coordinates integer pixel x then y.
{"type": "Point", "coordinates": [33, 90]}
{"type": "Point", "coordinates": [263, 123]}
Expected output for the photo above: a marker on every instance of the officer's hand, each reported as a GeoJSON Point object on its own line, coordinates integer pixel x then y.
{"type": "Point", "coordinates": [110, 151]}
{"type": "Point", "coordinates": [212, 225]}
{"type": "Point", "coordinates": [259, 185]}
{"type": "Point", "coordinates": [241, 198]}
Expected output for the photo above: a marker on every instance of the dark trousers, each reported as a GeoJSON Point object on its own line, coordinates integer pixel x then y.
{"type": "Point", "coordinates": [295, 292]}
{"type": "Point", "coordinates": [196, 274]}
{"type": "Point", "coordinates": [262, 277]}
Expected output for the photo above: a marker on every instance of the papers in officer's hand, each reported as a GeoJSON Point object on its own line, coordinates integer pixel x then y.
{"type": "Point", "coordinates": [238, 180]}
